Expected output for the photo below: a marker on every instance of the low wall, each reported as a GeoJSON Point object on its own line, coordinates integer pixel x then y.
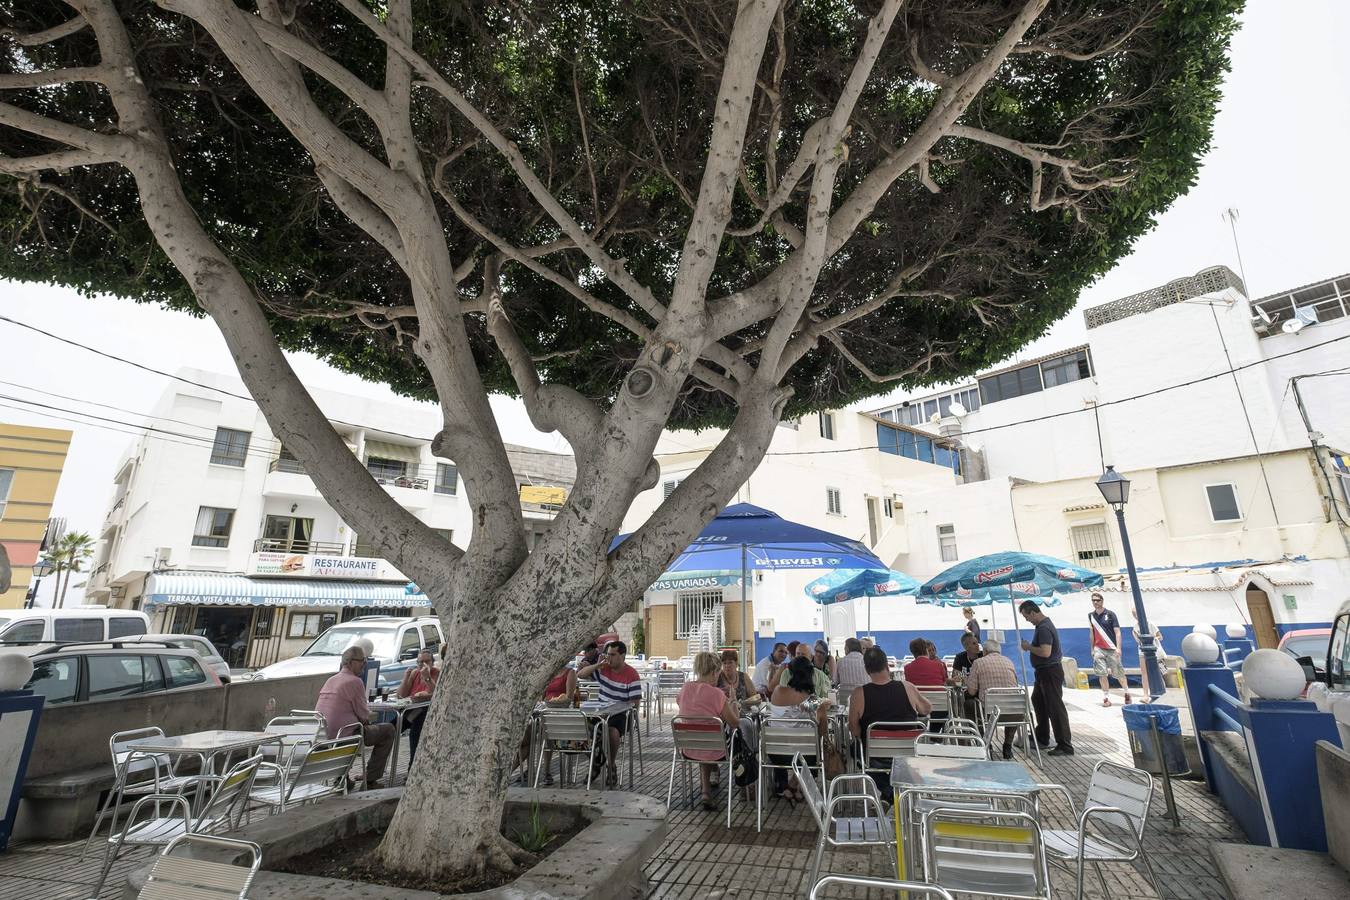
{"type": "Point", "coordinates": [1333, 774]}
{"type": "Point", "coordinates": [249, 705]}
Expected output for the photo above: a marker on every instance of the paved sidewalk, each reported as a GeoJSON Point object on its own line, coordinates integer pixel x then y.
{"type": "Point", "coordinates": [702, 858]}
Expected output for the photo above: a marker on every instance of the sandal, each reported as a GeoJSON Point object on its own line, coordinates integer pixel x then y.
{"type": "Point", "coordinates": [1128, 699]}
{"type": "Point", "coordinates": [611, 778]}
{"type": "Point", "coordinates": [708, 803]}
{"type": "Point", "coordinates": [1106, 701]}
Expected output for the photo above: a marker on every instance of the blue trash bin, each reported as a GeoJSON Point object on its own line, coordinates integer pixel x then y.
{"type": "Point", "coordinates": [1138, 724]}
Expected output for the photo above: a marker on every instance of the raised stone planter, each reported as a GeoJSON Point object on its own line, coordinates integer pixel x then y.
{"type": "Point", "coordinates": [605, 860]}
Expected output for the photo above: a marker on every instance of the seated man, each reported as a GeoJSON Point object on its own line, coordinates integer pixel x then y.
{"type": "Point", "coordinates": [820, 678]}
{"type": "Point", "coordinates": [924, 671]}
{"type": "Point", "coordinates": [619, 683]}
{"type": "Point", "coordinates": [992, 670]}
{"type": "Point", "coordinates": [970, 651]}
{"type": "Point", "coordinates": [342, 702]}
{"type": "Point", "coordinates": [849, 672]}
{"type": "Point", "coordinates": [767, 669]}
{"type": "Point", "coordinates": [882, 700]}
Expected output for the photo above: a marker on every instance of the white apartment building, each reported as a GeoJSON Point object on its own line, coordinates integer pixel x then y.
{"type": "Point", "coordinates": [1239, 506]}
{"type": "Point", "coordinates": [214, 528]}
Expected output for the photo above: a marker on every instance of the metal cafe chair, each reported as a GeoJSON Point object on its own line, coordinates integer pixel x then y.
{"type": "Point", "coordinates": [871, 829]}
{"type": "Point", "coordinates": [322, 772]}
{"type": "Point", "coordinates": [572, 734]}
{"type": "Point", "coordinates": [1110, 824]}
{"type": "Point", "coordinates": [701, 733]}
{"type": "Point", "coordinates": [884, 741]}
{"type": "Point", "coordinates": [888, 884]}
{"type": "Point", "coordinates": [785, 738]}
{"type": "Point", "coordinates": [172, 816]}
{"type": "Point", "coordinates": [137, 775]}
{"type": "Point", "coordinates": [992, 853]}
{"type": "Point", "coordinates": [1014, 712]}
{"type": "Point", "coordinates": [951, 746]}
{"type": "Point", "coordinates": [181, 877]}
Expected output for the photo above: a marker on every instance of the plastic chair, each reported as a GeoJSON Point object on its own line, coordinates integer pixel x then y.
{"type": "Point", "coordinates": [127, 766]}
{"type": "Point", "coordinates": [322, 772]}
{"type": "Point", "coordinates": [993, 853]}
{"type": "Point", "coordinates": [914, 887]}
{"type": "Point", "coordinates": [790, 738]}
{"type": "Point", "coordinates": [566, 727]}
{"type": "Point", "coordinates": [1110, 824]}
{"type": "Point", "coordinates": [701, 733]}
{"type": "Point", "coordinates": [178, 877]}
{"type": "Point", "coordinates": [871, 829]}
{"type": "Point", "coordinates": [171, 815]}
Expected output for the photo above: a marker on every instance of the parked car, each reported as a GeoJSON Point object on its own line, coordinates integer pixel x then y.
{"type": "Point", "coordinates": [205, 650]}
{"type": "Point", "coordinates": [78, 623]}
{"type": "Point", "coordinates": [1338, 651]}
{"type": "Point", "coordinates": [109, 670]}
{"type": "Point", "coordinates": [1309, 642]}
{"type": "Point", "coordinates": [396, 639]}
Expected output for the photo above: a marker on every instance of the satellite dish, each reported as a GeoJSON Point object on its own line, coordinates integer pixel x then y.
{"type": "Point", "coordinates": [957, 409]}
{"type": "Point", "coordinates": [1292, 326]}
{"type": "Point", "coordinates": [935, 418]}
{"type": "Point", "coordinates": [1262, 315]}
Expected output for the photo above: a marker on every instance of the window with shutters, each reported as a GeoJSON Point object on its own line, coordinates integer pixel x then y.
{"type": "Point", "coordinates": [689, 609]}
{"type": "Point", "coordinates": [833, 504]}
{"type": "Point", "coordinates": [947, 542]}
{"type": "Point", "coordinates": [1091, 543]}
{"type": "Point", "coordinates": [668, 486]}
{"type": "Point", "coordinates": [826, 425]}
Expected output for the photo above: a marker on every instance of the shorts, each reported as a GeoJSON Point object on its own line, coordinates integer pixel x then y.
{"type": "Point", "coordinates": [619, 722]}
{"type": "Point", "coordinates": [1107, 662]}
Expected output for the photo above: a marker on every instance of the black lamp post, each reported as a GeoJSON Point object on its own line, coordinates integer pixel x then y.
{"type": "Point", "coordinates": [1115, 489]}
{"type": "Point", "coordinates": [41, 569]}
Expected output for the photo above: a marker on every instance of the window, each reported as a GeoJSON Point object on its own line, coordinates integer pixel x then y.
{"type": "Point", "coordinates": [947, 542]}
{"type": "Point", "coordinates": [409, 644]}
{"type": "Point", "coordinates": [1064, 369]}
{"type": "Point", "coordinates": [56, 679]}
{"type": "Point", "coordinates": [833, 505]}
{"type": "Point", "coordinates": [1091, 545]}
{"type": "Point", "coordinates": [668, 486]}
{"type": "Point", "coordinates": [122, 676]}
{"type": "Point", "coordinates": [213, 527]}
{"type": "Point", "coordinates": [231, 447]}
{"type": "Point", "coordinates": [888, 506]}
{"type": "Point", "coordinates": [826, 425]}
{"type": "Point", "coordinates": [262, 621]}
{"type": "Point", "coordinates": [384, 469]}
{"type": "Point", "coordinates": [1006, 385]}
{"type": "Point", "coordinates": [447, 478]}
{"type": "Point", "coordinates": [77, 629]}
{"type": "Point", "coordinates": [6, 482]}
{"type": "Point", "coordinates": [182, 619]}
{"type": "Point", "coordinates": [308, 625]}
{"type": "Point", "coordinates": [1223, 503]}
{"type": "Point", "coordinates": [689, 609]}
{"type": "Point", "coordinates": [287, 534]}
{"type": "Point", "coordinates": [431, 638]}
{"type": "Point", "coordinates": [121, 626]}
{"type": "Point", "coordinates": [26, 632]}
{"type": "Point", "coordinates": [182, 672]}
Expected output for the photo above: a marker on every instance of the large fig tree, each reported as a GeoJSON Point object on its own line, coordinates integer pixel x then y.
{"type": "Point", "coordinates": [632, 214]}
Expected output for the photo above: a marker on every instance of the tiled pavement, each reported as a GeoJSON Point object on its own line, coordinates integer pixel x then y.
{"type": "Point", "coordinates": [702, 858]}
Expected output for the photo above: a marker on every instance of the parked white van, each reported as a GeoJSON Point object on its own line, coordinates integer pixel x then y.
{"type": "Point", "coordinates": [78, 623]}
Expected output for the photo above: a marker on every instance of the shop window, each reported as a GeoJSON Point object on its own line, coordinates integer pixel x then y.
{"type": "Point", "coordinates": [309, 625]}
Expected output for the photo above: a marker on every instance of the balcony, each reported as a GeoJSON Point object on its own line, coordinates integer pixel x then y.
{"type": "Point", "coordinates": [317, 548]}
{"type": "Point", "coordinates": [286, 478]}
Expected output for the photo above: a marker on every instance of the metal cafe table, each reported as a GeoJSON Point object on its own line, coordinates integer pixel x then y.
{"type": "Point", "coordinates": [593, 710]}
{"type": "Point", "coordinates": [206, 746]}
{"type": "Point", "coordinates": [946, 775]}
{"type": "Point", "coordinates": [400, 710]}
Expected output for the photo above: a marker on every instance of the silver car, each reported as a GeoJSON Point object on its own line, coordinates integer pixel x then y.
{"type": "Point", "coordinates": [205, 650]}
{"type": "Point", "coordinates": [108, 670]}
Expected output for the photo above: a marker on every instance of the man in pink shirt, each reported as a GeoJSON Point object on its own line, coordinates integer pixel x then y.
{"type": "Point", "coordinates": [342, 702]}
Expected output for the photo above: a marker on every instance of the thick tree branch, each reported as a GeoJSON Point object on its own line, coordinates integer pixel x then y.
{"type": "Point", "coordinates": [106, 145]}
{"type": "Point", "coordinates": [21, 80]}
{"type": "Point", "coordinates": [366, 215]}
{"type": "Point", "coordinates": [46, 36]}
{"type": "Point", "coordinates": [52, 162]}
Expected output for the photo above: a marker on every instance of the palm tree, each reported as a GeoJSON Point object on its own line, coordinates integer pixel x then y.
{"type": "Point", "coordinates": [69, 555]}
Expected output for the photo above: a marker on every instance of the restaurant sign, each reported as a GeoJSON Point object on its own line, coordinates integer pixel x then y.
{"type": "Point", "coordinates": [311, 565]}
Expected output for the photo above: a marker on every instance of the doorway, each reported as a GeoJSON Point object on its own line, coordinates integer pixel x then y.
{"type": "Point", "coordinates": [839, 626]}
{"type": "Point", "coordinates": [228, 629]}
{"type": "Point", "coordinates": [287, 534]}
{"type": "Point", "coordinates": [1262, 617]}
{"type": "Point", "coordinates": [873, 521]}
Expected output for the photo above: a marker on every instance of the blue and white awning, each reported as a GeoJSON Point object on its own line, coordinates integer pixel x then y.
{"type": "Point", "coordinates": [212, 589]}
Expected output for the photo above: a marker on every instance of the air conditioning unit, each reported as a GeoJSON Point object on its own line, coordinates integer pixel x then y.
{"type": "Point", "coordinates": [162, 557]}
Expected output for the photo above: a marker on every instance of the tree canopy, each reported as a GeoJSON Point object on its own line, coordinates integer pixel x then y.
{"type": "Point", "coordinates": [1065, 157]}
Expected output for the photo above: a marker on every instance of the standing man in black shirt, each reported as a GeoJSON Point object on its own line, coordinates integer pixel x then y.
{"type": "Point", "coordinates": [1047, 696]}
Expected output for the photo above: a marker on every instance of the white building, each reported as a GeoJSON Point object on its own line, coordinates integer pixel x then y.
{"type": "Point", "coordinates": [1239, 508]}
{"type": "Point", "coordinates": [215, 528]}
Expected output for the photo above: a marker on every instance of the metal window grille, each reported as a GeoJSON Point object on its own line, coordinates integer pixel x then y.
{"type": "Point", "coordinates": [833, 503]}
{"type": "Point", "coordinates": [1091, 545]}
{"type": "Point", "coordinates": [230, 447]}
{"type": "Point", "coordinates": [689, 609]}
{"type": "Point", "coordinates": [668, 487]}
{"type": "Point", "coordinates": [262, 621]}
{"type": "Point", "coordinates": [947, 542]}
{"type": "Point", "coordinates": [384, 469]}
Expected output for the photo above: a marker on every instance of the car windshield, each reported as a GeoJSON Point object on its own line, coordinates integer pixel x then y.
{"type": "Point", "coordinates": [1314, 645]}
{"type": "Point", "coordinates": [333, 641]}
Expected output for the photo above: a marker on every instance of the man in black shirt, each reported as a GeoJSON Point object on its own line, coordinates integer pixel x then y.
{"type": "Point", "coordinates": [1047, 696]}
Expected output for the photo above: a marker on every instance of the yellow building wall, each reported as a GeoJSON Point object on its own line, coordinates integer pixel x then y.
{"type": "Point", "coordinates": [659, 622]}
{"type": "Point", "coordinates": [36, 456]}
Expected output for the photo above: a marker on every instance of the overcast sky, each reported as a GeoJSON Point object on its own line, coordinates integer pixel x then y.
{"type": "Point", "coordinates": [1283, 125]}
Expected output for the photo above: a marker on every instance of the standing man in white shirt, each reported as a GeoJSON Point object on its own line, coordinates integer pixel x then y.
{"type": "Point", "coordinates": [764, 676]}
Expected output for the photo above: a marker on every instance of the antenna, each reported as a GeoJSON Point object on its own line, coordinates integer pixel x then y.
{"type": "Point", "coordinates": [1231, 215]}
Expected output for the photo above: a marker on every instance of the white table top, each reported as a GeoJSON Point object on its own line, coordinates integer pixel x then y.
{"type": "Point", "coordinates": [984, 776]}
{"type": "Point", "coordinates": [204, 742]}
{"type": "Point", "coordinates": [396, 705]}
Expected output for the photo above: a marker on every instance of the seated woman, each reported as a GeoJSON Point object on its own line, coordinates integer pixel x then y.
{"type": "Point", "coordinates": [882, 700]}
{"type": "Point", "coordinates": [789, 701]}
{"type": "Point", "coordinates": [702, 697]}
{"type": "Point", "coordinates": [418, 683]}
{"type": "Point", "coordinates": [739, 689]}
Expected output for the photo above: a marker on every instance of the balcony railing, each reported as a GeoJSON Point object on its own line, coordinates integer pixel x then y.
{"type": "Point", "coordinates": [318, 548]}
{"type": "Point", "coordinates": [284, 464]}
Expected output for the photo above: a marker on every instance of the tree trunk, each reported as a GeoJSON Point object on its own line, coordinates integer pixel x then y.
{"type": "Point", "coordinates": [448, 823]}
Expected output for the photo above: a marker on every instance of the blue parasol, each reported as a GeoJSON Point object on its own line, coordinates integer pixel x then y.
{"type": "Point", "coordinates": [846, 584]}
{"type": "Point", "coordinates": [1011, 576]}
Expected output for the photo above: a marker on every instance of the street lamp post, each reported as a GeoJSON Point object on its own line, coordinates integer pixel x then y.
{"type": "Point", "coordinates": [41, 569]}
{"type": "Point", "coordinates": [1115, 489]}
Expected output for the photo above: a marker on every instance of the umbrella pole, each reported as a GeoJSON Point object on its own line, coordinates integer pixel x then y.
{"type": "Point", "coordinates": [1021, 654]}
{"type": "Point", "coordinates": [745, 660]}
{"type": "Point", "coordinates": [869, 614]}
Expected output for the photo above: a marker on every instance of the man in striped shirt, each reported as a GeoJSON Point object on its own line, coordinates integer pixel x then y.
{"type": "Point", "coordinates": [619, 683]}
